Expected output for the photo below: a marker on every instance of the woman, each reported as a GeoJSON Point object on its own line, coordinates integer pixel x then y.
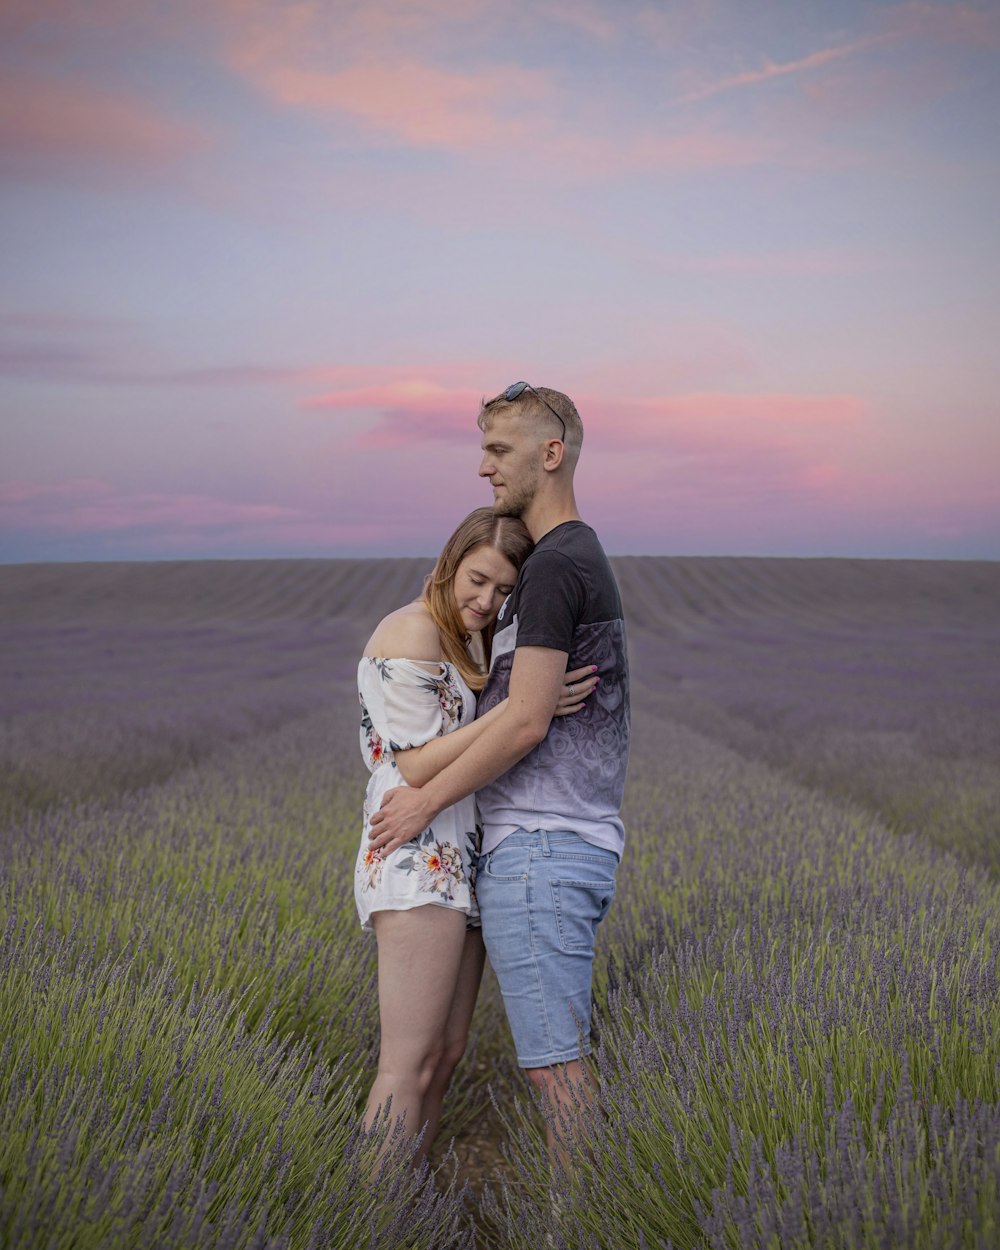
{"type": "Point", "coordinates": [417, 682]}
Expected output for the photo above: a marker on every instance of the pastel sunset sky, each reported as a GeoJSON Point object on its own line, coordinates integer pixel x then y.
{"type": "Point", "coordinates": [262, 261]}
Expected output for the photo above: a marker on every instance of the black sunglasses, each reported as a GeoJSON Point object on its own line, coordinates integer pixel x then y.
{"type": "Point", "coordinates": [518, 388]}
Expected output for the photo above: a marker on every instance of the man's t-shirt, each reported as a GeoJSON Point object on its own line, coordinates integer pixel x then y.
{"type": "Point", "coordinates": [565, 598]}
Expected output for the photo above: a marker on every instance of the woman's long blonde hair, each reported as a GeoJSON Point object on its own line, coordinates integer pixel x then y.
{"type": "Point", "coordinates": [482, 528]}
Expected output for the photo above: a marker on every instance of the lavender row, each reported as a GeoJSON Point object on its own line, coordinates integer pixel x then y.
{"type": "Point", "coordinates": [89, 712]}
{"type": "Point", "coordinates": [191, 1012]}
{"type": "Point", "coordinates": [902, 718]}
{"type": "Point", "coordinates": [134, 1111]}
{"type": "Point", "coordinates": [800, 1040]}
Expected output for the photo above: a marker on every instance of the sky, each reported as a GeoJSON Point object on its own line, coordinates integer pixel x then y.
{"type": "Point", "coordinates": [262, 261]}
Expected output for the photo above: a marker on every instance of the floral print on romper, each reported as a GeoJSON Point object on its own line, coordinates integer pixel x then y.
{"type": "Point", "coordinates": [403, 705]}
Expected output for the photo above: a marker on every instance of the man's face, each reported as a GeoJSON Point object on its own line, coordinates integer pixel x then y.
{"type": "Point", "coordinates": [512, 460]}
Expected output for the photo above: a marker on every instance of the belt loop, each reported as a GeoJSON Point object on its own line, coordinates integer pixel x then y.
{"type": "Point", "coordinates": [546, 849]}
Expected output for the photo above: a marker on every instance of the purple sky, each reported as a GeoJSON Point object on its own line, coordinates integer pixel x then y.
{"type": "Point", "coordinates": [262, 260]}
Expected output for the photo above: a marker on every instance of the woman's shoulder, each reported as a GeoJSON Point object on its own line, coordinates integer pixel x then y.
{"type": "Point", "coordinates": [408, 633]}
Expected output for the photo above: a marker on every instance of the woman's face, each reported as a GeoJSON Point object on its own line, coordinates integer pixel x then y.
{"type": "Point", "coordinates": [483, 580]}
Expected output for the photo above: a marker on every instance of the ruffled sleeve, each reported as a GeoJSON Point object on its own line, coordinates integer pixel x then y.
{"type": "Point", "coordinates": [403, 701]}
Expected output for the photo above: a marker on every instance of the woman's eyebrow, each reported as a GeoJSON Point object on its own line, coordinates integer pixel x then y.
{"type": "Point", "coordinates": [474, 572]}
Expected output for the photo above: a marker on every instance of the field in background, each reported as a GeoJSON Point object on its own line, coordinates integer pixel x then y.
{"type": "Point", "coordinates": [799, 975]}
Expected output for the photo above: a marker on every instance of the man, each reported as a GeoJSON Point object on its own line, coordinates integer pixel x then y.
{"type": "Point", "coordinates": [549, 789]}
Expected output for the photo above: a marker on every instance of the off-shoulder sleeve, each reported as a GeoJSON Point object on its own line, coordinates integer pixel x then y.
{"type": "Point", "coordinates": [403, 700]}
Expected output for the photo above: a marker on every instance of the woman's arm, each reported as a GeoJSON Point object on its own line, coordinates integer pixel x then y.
{"type": "Point", "coordinates": [419, 764]}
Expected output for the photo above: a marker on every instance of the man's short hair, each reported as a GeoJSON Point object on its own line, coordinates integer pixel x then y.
{"type": "Point", "coordinates": [538, 405]}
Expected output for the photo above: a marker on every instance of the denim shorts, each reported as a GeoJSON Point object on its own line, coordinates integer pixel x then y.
{"type": "Point", "coordinates": [541, 897]}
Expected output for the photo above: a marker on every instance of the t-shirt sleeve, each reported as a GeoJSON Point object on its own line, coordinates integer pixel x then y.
{"type": "Point", "coordinates": [403, 701]}
{"type": "Point", "coordinates": [550, 601]}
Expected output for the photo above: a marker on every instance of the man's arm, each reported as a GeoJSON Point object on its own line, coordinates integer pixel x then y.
{"type": "Point", "coordinates": [535, 683]}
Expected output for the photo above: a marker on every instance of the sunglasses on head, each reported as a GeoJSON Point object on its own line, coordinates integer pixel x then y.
{"type": "Point", "coordinates": [518, 388]}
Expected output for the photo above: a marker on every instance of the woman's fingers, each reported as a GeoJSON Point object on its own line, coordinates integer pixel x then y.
{"type": "Point", "coordinates": [579, 682]}
{"type": "Point", "coordinates": [580, 674]}
{"type": "Point", "coordinates": [577, 685]}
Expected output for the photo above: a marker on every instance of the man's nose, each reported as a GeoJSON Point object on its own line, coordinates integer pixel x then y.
{"type": "Point", "coordinates": [486, 467]}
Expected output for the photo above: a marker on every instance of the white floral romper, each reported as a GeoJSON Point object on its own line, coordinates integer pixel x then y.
{"type": "Point", "coordinates": [404, 704]}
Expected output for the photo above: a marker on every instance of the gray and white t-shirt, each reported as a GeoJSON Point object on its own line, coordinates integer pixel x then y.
{"type": "Point", "coordinates": [565, 598]}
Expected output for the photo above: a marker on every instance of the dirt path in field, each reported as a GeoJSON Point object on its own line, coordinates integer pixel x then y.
{"type": "Point", "coordinates": [476, 1160]}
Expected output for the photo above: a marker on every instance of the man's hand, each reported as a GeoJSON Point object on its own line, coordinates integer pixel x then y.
{"type": "Point", "coordinates": [404, 813]}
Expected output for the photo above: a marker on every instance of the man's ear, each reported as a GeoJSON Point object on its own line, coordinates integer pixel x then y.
{"type": "Point", "coordinates": [555, 451]}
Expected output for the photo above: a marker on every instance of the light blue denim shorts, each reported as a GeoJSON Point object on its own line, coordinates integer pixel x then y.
{"type": "Point", "coordinates": [541, 897]}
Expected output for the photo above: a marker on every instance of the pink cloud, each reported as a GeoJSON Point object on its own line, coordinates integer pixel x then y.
{"type": "Point", "coordinates": [842, 83]}
{"type": "Point", "coordinates": [261, 27]}
{"type": "Point", "coordinates": [415, 398]}
{"type": "Point", "coordinates": [91, 506]}
{"type": "Point", "coordinates": [105, 351]}
{"type": "Point", "coordinates": [415, 103]}
{"type": "Point", "coordinates": [717, 451]}
{"type": "Point", "coordinates": [666, 473]}
{"type": "Point", "coordinates": [415, 394]}
{"type": "Point", "coordinates": [51, 127]}
{"type": "Point", "coordinates": [410, 412]}
{"type": "Point", "coordinates": [507, 109]}
{"type": "Point", "coordinates": [772, 70]}
{"type": "Point", "coordinates": [16, 493]}
{"type": "Point", "coordinates": [714, 409]}
{"type": "Point", "coordinates": [373, 86]}
{"type": "Point", "coordinates": [715, 428]}
{"type": "Point", "coordinates": [700, 149]}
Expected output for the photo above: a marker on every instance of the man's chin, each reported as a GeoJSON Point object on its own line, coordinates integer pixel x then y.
{"type": "Point", "coordinates": [504, 506]}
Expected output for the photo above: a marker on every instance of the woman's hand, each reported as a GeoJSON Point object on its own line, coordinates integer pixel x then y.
{"type": "Point", "coordinates": [577, 684]}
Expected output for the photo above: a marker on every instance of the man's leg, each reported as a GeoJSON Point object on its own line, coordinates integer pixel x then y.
{"type": "Point", "coordinates": [542, 897]}
{"type": "Point", "coordinates": [567, 1091]}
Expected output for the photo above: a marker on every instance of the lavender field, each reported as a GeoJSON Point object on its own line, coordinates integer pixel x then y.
{"type": "Point", "coordinates": [799, 981]}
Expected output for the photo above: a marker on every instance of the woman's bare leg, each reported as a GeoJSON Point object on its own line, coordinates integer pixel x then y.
{"type": "Point", "coordinates": [456, 1032]}
{"type": "Point", "coordinates": [420, 956]}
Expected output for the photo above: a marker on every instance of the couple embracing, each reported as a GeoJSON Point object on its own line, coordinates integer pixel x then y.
{"type": "Point", "coordinates": [505, 685]}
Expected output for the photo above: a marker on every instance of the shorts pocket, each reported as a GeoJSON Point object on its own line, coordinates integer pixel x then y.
{"type": "Point", "coordinates": [499, 867]}
{"type": "Point", "coordinates": [579, 908]}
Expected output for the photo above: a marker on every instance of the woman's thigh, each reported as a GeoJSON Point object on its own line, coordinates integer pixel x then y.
{"type": "Point", "coordinates": [420, 957]}
{"type": "Point", "coordinates": [470, 974]}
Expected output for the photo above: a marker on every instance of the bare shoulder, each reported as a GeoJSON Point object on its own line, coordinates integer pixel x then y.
{"type": "Point", "coordinates": [409, 633]}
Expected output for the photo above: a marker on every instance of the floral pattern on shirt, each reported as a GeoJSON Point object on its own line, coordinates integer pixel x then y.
{"type": "Point", "coordinates": [404, 704]}
{"type": "Point", "coordinates": [375, 749]}
{"type": "Point", "coordinates": [438, 865]}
